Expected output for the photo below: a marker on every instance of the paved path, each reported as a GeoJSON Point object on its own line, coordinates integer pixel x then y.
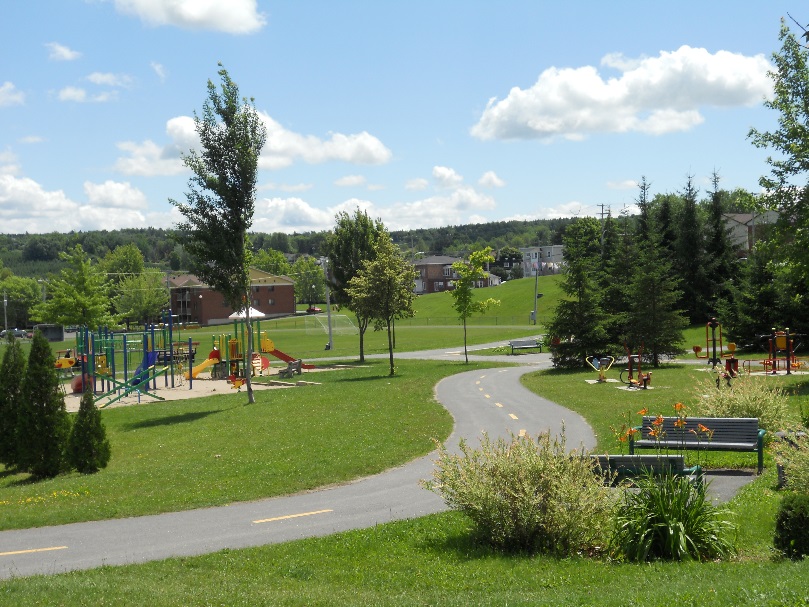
{"type": "Point", "coordinates": [491, 400]}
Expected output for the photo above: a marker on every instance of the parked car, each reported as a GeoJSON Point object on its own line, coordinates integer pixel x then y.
{"type": "Point", "coordinates": [15, 332]}
{"type": "Point", "coordinates": [313, 310]}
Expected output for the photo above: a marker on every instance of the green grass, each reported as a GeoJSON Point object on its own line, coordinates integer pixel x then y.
{"type": "Point", "coordinates": [178, 455]}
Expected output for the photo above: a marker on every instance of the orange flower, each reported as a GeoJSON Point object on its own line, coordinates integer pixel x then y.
{"type": "Point", "coordinates": [679, 422]}
{"type": "Point", "coordinates": [679, 407]}
{"type": "Point", "coordinates": [653, 432]}
{"type": "Point", "coordinates": [643, 411]}
{"type": "Point", "coordinates": [658, 421]}
{"type": "Point", "coordinates": [632, 432]}
{"type": "Point", "coordinates": [702, 428]}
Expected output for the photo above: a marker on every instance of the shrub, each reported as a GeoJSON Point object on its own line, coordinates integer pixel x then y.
{"type": "Point", "coordinates": [12, 370]}
{"type": "Point", "coordinates": [746, 397]}
{"type": "Point", "coordinates": [527, 495]}
{"type": "Point", "coordinates": [792, 453]}
{"type": "Point", "coordinates": [792, 526]}
{"type": "Point", "coordinates": [668, 518]}
{"type": "Point", "coordinates": [88, 449]}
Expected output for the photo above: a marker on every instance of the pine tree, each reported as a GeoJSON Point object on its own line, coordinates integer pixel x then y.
{"type": "Point", "coordinates": [88, 449]}
{"type": "Point", "coordinates": [719, 249]}
{"type": "Point", "coordinates": [43, 424]}
{"type": "Point", "coordinates": [690, 262]}
{"type": "Point", "coordinates": [11, 381]}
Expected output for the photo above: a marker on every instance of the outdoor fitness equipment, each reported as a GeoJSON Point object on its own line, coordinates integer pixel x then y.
{"type": "Point", "coordinates": [601, 364]}
{"type": "Point", "coordinates": [780, 342]}
{"type": "Point", "coordinates": [635, 379]}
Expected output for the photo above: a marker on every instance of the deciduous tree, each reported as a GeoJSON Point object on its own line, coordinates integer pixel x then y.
{"type": "Point", "coordinates": [220, 202]}
{"type": "Point", "coordinates": [468, 274]}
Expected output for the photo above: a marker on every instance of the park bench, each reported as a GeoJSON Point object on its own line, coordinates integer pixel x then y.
{"type": "Point", "coordinates": [524, 344]}
{"type": "Point", "coordinates": [723, 434]}
{"type": "Point", "coordinates": [617, 468]}
{"type": "Point", "coordinates": [293, 366]}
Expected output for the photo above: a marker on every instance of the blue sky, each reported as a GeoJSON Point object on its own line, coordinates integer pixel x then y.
{"type": "Point", "coordinates": [423, 113]}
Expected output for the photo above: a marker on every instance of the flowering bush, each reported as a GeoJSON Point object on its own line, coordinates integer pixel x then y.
{"type": "Point", "coordinates": [524, 494]}
{"type": "Point", "coordinates": [747, 397]}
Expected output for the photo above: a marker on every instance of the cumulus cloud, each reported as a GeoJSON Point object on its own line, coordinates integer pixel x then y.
{"type": "Point", "coordinates": [8, 163]}
{"type": "Point", "coordinates": [114, 194]}
{"type": "Point", "coordinates": [350, 181]}
{"type": "Point", "coordinates": [446, 177]}
{"type": "Point", "coordinates": [59, 52]}
{"type": "Point", "coordinates": [282, 149]}
{"type": "Point", "coordinates": [107, 79]}
{"type": "Point", "coordinates": [417, 183]}
{"type": "Point", "coordinates": [160, 70]}
{"type": "Point", "coordinates": [653, 95]}
{"type": "Point", "coordinates": [626, 184]}
{"type": "Point", "coordinates": [25, 206]}
{"type": "Point", "coordinates": [77, 94]}
{"type": "Point", "coordinates": [290, 215]}
{"type": "Point", "coordinates": [489, 179]}
{"type": "Point", "coordinates": [285, 187]}
{"type": "Point", "coordinates": [9, 95]}
{"type": "Point", "coordinates": [232, 17]}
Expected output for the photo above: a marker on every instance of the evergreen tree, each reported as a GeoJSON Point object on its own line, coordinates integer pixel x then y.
{"type": "Point", "coordinates": [12, 371]}
{"type": "Point", "coordinates": [719, 249]}
{"type": "Point", "coordinates": [579, 325]}
{"type": "Point", "coordinates": [690, 262]}
{"type": "Point", "coordinates": [617, 263]}
{"type": "Point", "coordinates": [88, 449]}
{"type": "Point", "coordinates": [43, 424]}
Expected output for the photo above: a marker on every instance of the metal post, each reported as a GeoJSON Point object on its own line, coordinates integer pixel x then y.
{"type": "Point", "coordinates": [5, 311]}
{"type": "Point", "coordinates": [536, 289]}
{"type": "Point", "coordinates": [325, 263]}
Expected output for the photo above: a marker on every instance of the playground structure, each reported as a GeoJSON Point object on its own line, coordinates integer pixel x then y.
{"type": "Point", "coordinates": [781, 346]}
{"type": "Point", "coordinates": [717, 356]}
{"type": "Point", "coordinates": [116, 365]}
{"type": "Point", "coordinates": [635, 377]}
{"type": "Point", "coordinates": [601, 364]}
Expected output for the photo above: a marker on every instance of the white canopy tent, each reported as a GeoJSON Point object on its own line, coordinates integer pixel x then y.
{"type": "Point", "coordinates": [241, 314]}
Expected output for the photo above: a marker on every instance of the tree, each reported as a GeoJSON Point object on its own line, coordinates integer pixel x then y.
{"type": "Point", "coordinates": [383, 289]}
{"type": "Point", "coordinates": [43, 424]}
{"type": "Point", "coordinates": [310, 281]}
{"type": "Point", "coordinates": [272, 261]}
{"type": "Point", "coordinates": [690, 261]}
{"type": "Point", "coordinates": [220, 202]}
{"type": "Point", "coordinates": [78, 296]}
{"type": "Point", "coordinates": [142, 297]}
{"type": "Point", "coordinates": [88, 449]}
{"type": "Point", "coordinates": [785, 188]}
{"type": "Point", "coordinates": [349, 245]}
{"type": "Point", "coordinates": [12, 371]}
{"type": "Point", "coordinates": [719, 248]}
{"type": "Point", "coordinates": [467, 274]}
{"type": "Point", "coordinates": [22, 294]}
{"type": "Point", "coordinates": [579, 326]}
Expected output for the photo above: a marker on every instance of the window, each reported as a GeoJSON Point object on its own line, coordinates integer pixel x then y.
{"type": "Point", "coordinates": [271, 287]}
{"type": "Point", "coordinates": [255, 303]}
{"type": "Point", "coordinates": [439, 285]}
{"type": "Point", "coordinates": [271, 302]}
{"type": "Point", "coordinates": [447, 271]}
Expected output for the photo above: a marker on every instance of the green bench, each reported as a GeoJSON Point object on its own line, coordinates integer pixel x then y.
{"type": "Point", "coordinates": [740, 434]}
{"type": "Point", "coordinates": [617, 468]}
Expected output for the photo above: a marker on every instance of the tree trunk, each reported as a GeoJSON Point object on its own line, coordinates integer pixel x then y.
{"type": "Point", "coordinates": [390, 349]}
{"type": "Point", "coordinates": [465, 353]}
{"type": "Point", "coordinates": [248, 364]}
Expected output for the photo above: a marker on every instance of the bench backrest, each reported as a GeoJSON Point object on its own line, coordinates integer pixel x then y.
{"type": "Point", "coordinates": [637, 464]}
{"type": "Point", "coordinates": [724, 429]}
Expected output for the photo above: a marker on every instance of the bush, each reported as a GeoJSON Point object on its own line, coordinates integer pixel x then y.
{"type": "Point", "coordinates": [792, 526]}
{"type": "Point", "coordinates": [747, 397]}
{"type": "Point", "coordinates": [527, 495]}
{"type": "Point", "coordinates": [88, 449]}
{"type": "Point", "coordinates": [668, 518]}
{"type": "Point", "coordinates": [792, 453]}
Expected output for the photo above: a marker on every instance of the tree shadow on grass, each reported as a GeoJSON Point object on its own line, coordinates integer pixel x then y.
{"type": "Point", "coordinates": [170, 420]}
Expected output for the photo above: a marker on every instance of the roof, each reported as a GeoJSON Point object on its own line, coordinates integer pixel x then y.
{"type": "Point", "coordinates": [443, 260]}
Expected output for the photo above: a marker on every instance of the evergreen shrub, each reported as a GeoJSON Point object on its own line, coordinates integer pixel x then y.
{"type": "Point", "coordinates": [792, 526]}
{"type": "Point", "coordinates": [88, 449]}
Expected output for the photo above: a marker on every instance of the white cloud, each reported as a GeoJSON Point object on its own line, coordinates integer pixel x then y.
{"type": "Point", "coordinates": [651, 95]}
{"type": "Point", "coordinates": [59, 52]}
{"type": "Point", "coordinates": [114, 195]}
{"type": "Point", "coordinates": [350, 181]}
{"type": "Point", "coordinates": [8, 163]}
{"type": "Point", "coordinates": [79, 95]}
{"type": "Point", "coordinates": [283, 148]}
{"type": "Point", "coordinates": [626, 184]}
{"type": "Point", "coordinates": [31, 139]}
{"type": "Point", "coordinates": [567, 209]}
{"type": "Point", "coordinates": [27, 207]}
{"type": "Point", "coordinates": [9, 95]}
{"type": "Point", "coordinates": [232, 17]}
{"type": "Point", "coordinates": [107, 79]}
{"type": "Point", "coordinates": [489, 179]}
{"type": "Point", "coordinates": [446, 177]}
{"type": "Point", "coordinates": [160, 70]}
{"type": "Point", "coordinates": [417, 183]}
{"type": "Point", "coordinates": [285, 187]}
{"type": "Point", "coordinates": [290, 215]}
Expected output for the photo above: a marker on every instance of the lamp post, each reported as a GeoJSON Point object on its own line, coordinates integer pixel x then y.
{"type": "Point", "coordinates": [325, 263]}
{"type": "Point", "coordinates": [5, 311]}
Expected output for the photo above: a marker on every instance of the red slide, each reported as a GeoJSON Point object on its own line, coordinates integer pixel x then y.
{"type": "Point", "coordinates": [287, 358]}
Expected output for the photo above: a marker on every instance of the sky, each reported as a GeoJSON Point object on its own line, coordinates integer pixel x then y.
{"type": "Point", "coordinates": [423, 113]}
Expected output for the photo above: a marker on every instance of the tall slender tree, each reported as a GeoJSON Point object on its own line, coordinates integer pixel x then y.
{"type": "Point", "coordinates": [220, 202]}
{"type": "Point", "coordinates": [12, 373]}
{"type": "Point", "coordinates": [383, 289]}
{"type": "Point", "coordinates": [690, 261]}
{"type": "Point", "coordinates": [43, 424]}
{"type": "Point", "coordinates": [719, 249]}
{"type": "Point", "coordinates": [467, 274]}
{"type": "Point", "coordinates": [88, 449]}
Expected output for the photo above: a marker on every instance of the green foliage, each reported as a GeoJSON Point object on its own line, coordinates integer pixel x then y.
{"type": "Point", "coordinates": [142, 297]}
{"type": "Point", "coordinates": [88, 449]}
{"type": "Point", "coordinates": [746, 397]}
{"type": "Point", "coordinates": [792, 526]}
{"type": "Point", "coordinates": [78, 296]}
{"type": "Point", "coordinates": [792, 453]}
{"type": "Point", "coordinates": [383, 289]}
{"type": "Point", "coordinates": [221, 199]}
{"type": "Point", "coordinates": [12, 371]}
{"type": "Point", "coordinates": [310, 281]}
{"type": "Point", "coordinates": [272, 261]}
{"type": "Point", "coordinates": [467, 274]}
{"type": "Point", "coordinates": [668, 518]}
{"type": "Point", "coordinates": [21, 295]}
{"type": "Point", "coordinates": [524, 494]}
{"type": "Point", "coordinates": [43, 424]}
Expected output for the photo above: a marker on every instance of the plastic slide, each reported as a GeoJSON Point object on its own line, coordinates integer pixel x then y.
{"type": "Point", "coordinates": [149, 361]}
{"type": "Point", "coordinates": [202, 366]}
{"type": "Point", "coordinates": [287, 358]}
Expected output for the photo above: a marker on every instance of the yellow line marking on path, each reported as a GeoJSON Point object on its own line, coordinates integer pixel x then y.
{"type": "Point", "coordinates": [499, 405]}
{"type": "Point", "coordinates": [477, 383]}
{"type": "Point", "coordinates": [522, 432]}
{"type": "Point", "coordinates": [289, 516]}
{"type": "Point", "coordinates": [487, 396]}
{"type": "Point", "coordinates": [512, 416]}
{"type": "Point", "coordinates": [33, 550]}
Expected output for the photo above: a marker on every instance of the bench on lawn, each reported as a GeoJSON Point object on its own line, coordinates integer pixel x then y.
{"type": "Point", "coordinates": [625, 467]}
{"type": "Point", "coordinates": [524, 344]}
{"type": "Point", "coordinates": [293, 366]}
{"type": "Point", "coordinates": [723, 434]}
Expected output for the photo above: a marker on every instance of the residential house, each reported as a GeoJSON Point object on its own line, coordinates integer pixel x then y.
{"type": "Point", "coordinates": [742, 228]}
{"type": "Point", "coordinates": [435, 274]}
{"type": "Point", "coordinates": [195, 302]}
{"type": "Point", "coordinates": [542, 260]}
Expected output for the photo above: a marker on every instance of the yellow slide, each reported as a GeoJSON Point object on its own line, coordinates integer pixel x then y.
{"type": "Point", "coordinates": [202, 366]}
